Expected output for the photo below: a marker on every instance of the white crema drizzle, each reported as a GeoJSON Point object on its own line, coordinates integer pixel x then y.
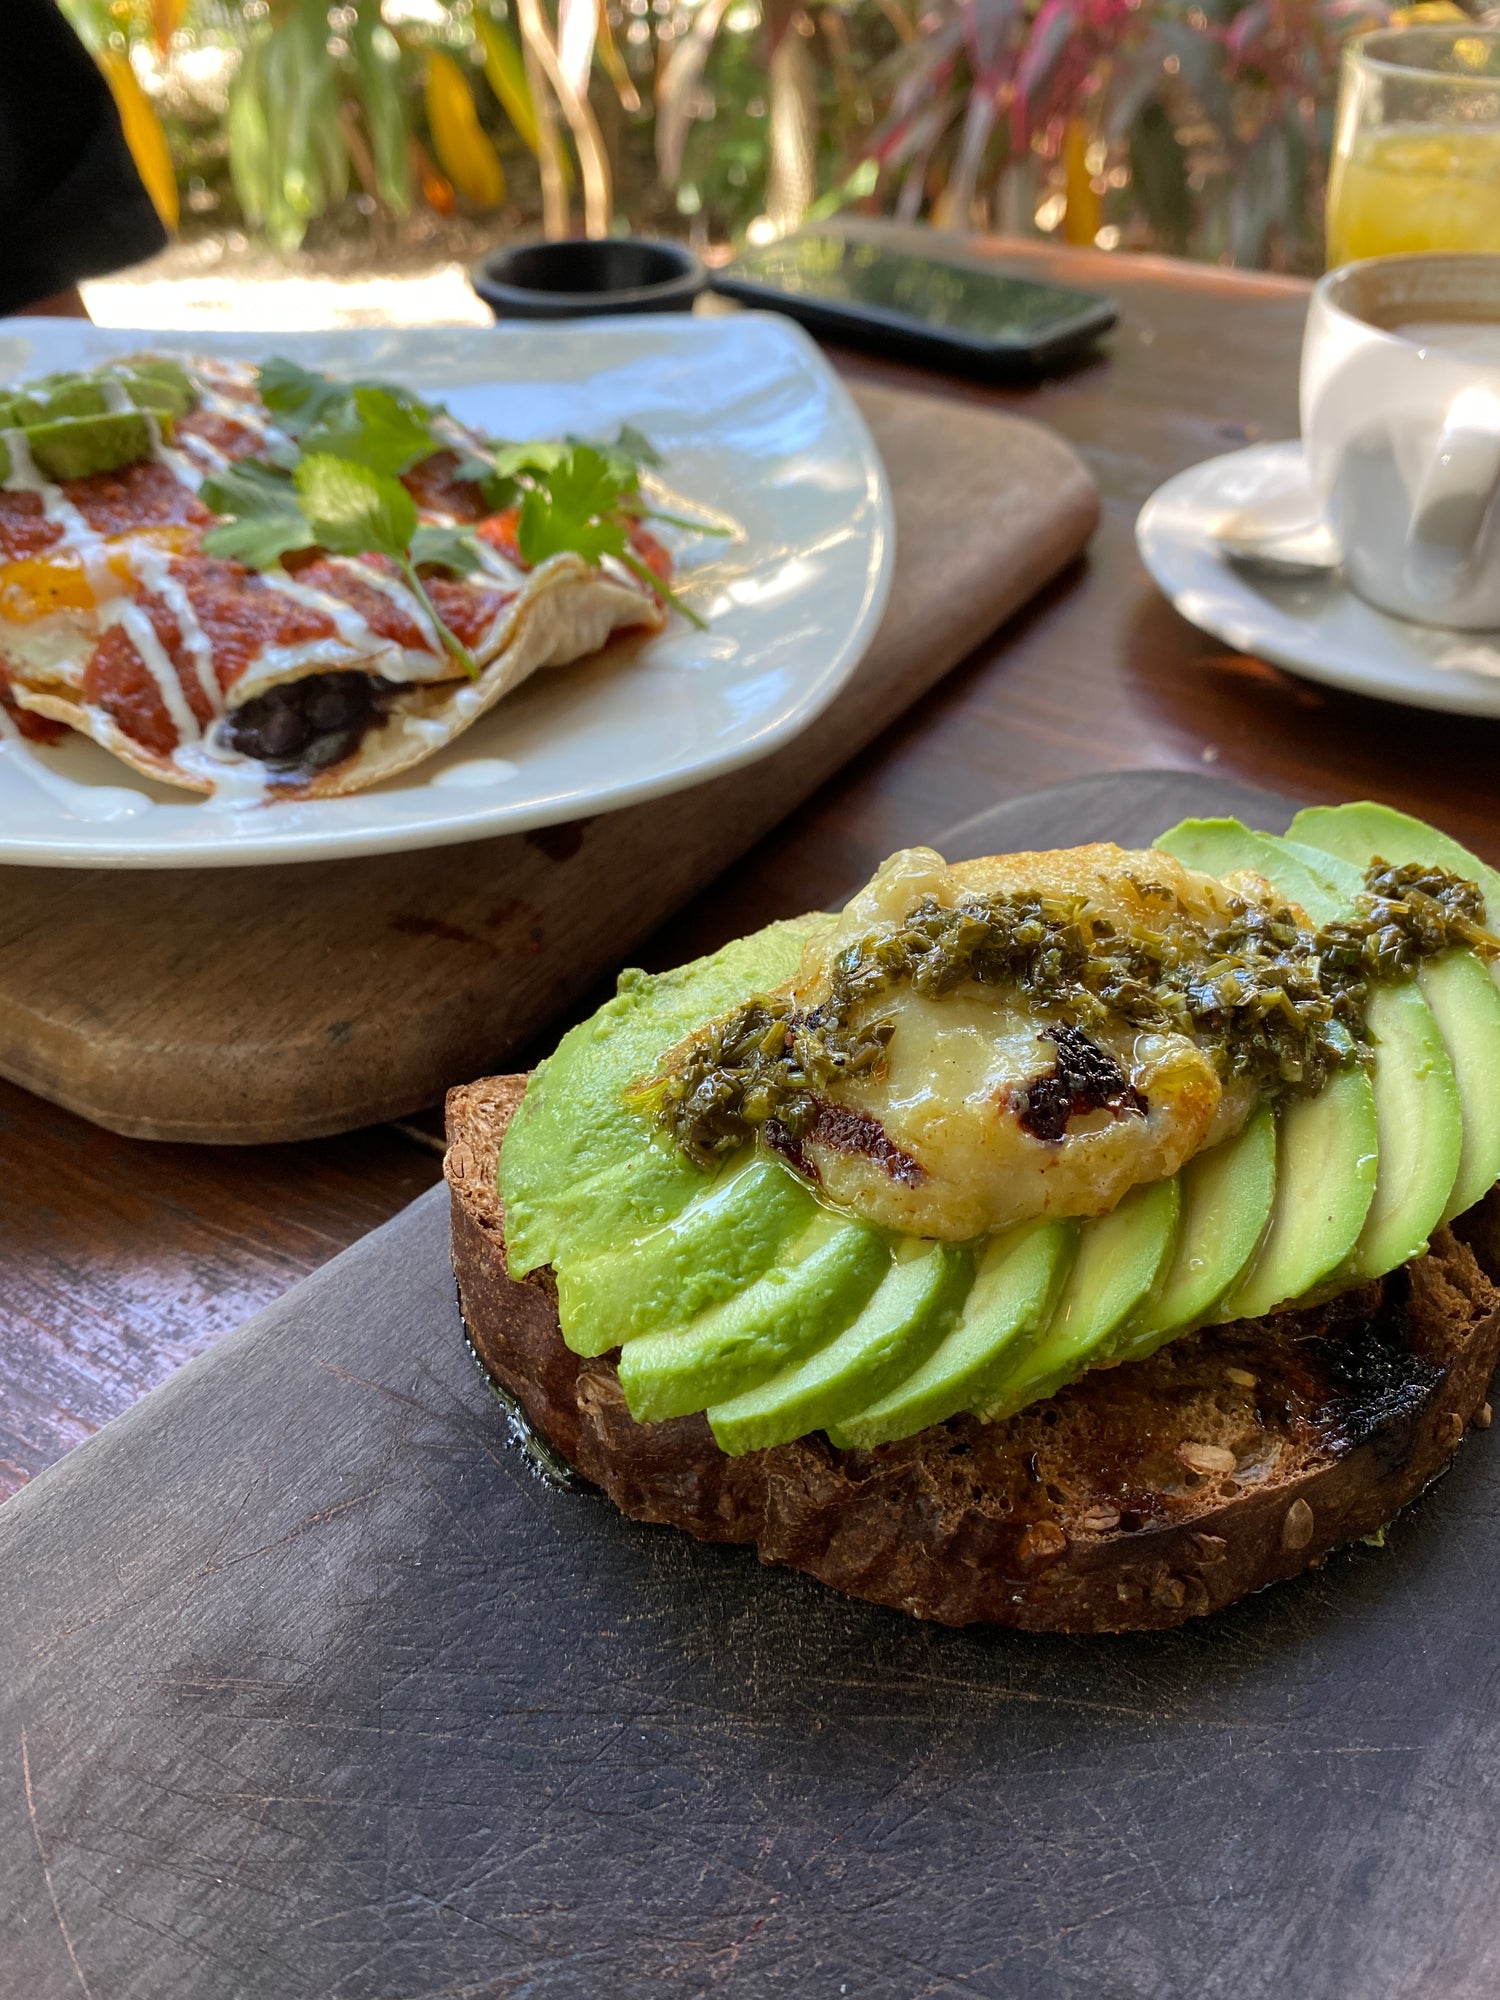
{"type": "Point", "coordinates": [235, 779]}
{"type": "Point", "coordinates": [347, 622]}
{"type": "Point", "coordinates": [401, 596]}
{"type": "Point", "coordinates": [152, 568]}
{"type": "Point", "coordinates": [142, 634]}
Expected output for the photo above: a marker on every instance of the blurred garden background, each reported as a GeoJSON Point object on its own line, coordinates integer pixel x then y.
{"type": "Point", "coordinates": [366, 140]}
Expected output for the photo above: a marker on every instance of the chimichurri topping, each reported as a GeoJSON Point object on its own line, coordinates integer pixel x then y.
{"type": "Point", "coordinates": [1269, 997]}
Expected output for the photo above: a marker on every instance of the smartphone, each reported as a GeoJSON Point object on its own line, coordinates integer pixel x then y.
{"type": "Point", "coordinates": [928, 306]}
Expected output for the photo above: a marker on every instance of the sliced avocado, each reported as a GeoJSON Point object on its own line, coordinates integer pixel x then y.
{"type": "Point", "coordinates": [1326, 1153]}
{"type": "Point", "coordinates": [1461, 991]}
{"type": "Point", "coordinates": [1227, 1196]}
{"type": "Point", "coordinates": [1220, 846]}
{"type": "Point", "coordinates": [724, 1239]}
{"type": "Point", "coordinates": [1419, 1118]}
{"type": "Point", "coordinates": [159, 384]}
{"type": "Point", "coordinates": [1359, 832]}
{"type": "Point", "coordinates": [1418, 1111]}
{"type": "Point", "coordinates": [579, 1171]}
{"type": "Point", "coordinates": [63, 396]}
{"type": "Point", "coordinates": [1326, 1145]}
{"type": "Point", "coordinates": [1465, 1003]}
{"type": "Point", "coordinates": [1419, 1130]}
{"type": "Point", "coordinates": [831, 1271]}
{"type": "Point", "coordinates": [144, 394]}
{"type": "Point", "coordinates": [1119, 1259]}
{"type": "Point", "coordinates": [77, 447]}
{"type": "Point", "coordinates": [1013, 1293]}
{"type": "Point", "coordinates": [909, 1312]}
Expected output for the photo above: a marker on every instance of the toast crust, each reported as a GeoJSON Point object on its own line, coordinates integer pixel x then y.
{"type": "Point", "coordinates": [1137, 1498]}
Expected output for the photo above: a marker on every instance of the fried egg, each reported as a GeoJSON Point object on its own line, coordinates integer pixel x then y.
{"type": "Point", "coordinates": [943, 1139]}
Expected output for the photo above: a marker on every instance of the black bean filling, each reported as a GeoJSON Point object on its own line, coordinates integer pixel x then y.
{"type": "Point", "coordinates": [308, 724]}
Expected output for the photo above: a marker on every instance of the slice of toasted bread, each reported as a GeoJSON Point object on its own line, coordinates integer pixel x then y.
{"type": "Point", "coordinates": [1139, 1497]}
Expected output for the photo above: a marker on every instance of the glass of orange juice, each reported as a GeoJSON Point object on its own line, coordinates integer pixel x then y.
{"type": "Point", "coordinates": [1416, 149]}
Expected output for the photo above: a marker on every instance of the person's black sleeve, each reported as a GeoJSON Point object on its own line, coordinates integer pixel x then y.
{"type": "Point", "coordinates": [71, 202]}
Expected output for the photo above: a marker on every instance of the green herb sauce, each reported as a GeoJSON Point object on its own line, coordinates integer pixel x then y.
{"type": "Point", "coordinates": [1267, 996]}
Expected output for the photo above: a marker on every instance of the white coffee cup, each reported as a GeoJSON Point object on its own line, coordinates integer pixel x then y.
{"type": "Point", "coordinates": [1401, 430]}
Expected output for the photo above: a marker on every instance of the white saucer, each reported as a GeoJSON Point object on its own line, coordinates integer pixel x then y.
{"type": "Point", "coordinates": [1314, 625]}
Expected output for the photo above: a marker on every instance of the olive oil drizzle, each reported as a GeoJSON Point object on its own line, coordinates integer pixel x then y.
{"type": "Point", "coordinates": [1272, 999]}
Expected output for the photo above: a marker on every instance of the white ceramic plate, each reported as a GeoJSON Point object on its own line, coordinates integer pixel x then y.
{"type": "Point", "coordinates": [1315, 625]}
{"type": "Point", "coordinates": [753, 425]}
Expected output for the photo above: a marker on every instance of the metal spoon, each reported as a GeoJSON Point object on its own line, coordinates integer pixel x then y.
{"type": "Point", "coordinates": [1278, 536]}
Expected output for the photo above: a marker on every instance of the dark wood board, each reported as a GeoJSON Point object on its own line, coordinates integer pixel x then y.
{"type": "Point", "coordinates": [247, 1005]}
{"type": "Point", "coordinates": [311, 1690]}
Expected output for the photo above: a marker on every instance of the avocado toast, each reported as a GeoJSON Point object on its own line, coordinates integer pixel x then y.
{"type": "Point", "coordinates": [1073, 1240]}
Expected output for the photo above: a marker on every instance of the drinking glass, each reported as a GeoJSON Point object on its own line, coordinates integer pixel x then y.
{"type": "Point", "coordinates": [1416, 148]}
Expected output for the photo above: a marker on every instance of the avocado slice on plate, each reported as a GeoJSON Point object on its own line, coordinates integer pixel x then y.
{"type": "Point", "coordinates": [580, 1171]}
{"type": "Point", "coordinates": [1419, 1119]}
{"type": "Point", "coordinates": [799, 1304]}
{"type": "Point", "coordinates": [1119, 1259]}
{"type": "Point", "coordinates": [75, 447]}
{"type": "Point", "coordinates": [1325, 1182]}
{"type": "Point", "coordinates": [1012, 1296]}
{"type": "Point", "coordinates": [1327, 1146]}
{"type": "Point", "coordinates": [1463, 993]}
{"type": "Point", "coordinates": [724, 1239]}
{"type": "Point", "coordinates": [63, 396]}
{"type": "Point", "coordinates": [1465, 1003]}
{"type": "Point", "coordinates": [1418, 1110]}
{"type": "Point", "coordinates": [905, 1318]}
{"type": "Point", "coordinates": [1227, 1198]}
{"type": "Point", "coordinates": [1361, 831]}
{"type": "Point", "coordinates": [1419, 1131]}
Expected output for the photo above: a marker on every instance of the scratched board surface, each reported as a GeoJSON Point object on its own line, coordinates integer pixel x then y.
{"type": "Point", "coordinates": [310, 1690]}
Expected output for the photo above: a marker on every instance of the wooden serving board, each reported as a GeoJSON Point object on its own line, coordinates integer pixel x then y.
{"type": "Point", "coordinates": [243, 1005]}
{"type": "Point", "coordinates": [311, 1690]}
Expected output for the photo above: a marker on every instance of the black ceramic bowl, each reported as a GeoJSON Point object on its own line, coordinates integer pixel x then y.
{"type": "Point", "coordinates": [580, 278]}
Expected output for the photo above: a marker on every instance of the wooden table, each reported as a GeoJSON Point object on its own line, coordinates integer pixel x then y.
{"type": "Point", "coordinates": [121, 1259]}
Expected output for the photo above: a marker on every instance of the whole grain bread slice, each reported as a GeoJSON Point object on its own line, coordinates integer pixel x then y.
{"type": "Point", "coordinates": [1137, 1498]}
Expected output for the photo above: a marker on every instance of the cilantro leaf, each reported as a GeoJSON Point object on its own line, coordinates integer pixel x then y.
{"type": "Point", "coordinates": [636, 449]}
{"type": "Point", "coordinates": [265, 520]}
{"type": "Point", "coordinates": [352, 510]}
{"type": "Point", "coordinates": [371, 423]}
{"type": "Point", "coordinates": [476, 468]}
{"type": "Point", "coordinates": [575, 510]}
{"type": "Point", "coordinates": [380, 428]}
{"type": "Point", "coordinates": [355, 511]}
{"type": "Point", "coordinates": [296, 396]}
{"type": "Point", "coordinates": [631, 454]}
{"type": "Point", "coordinates": [584, 503]}
{"type": "Point", "coordinates": [499, 493]}
{"type": "Point", "coordinates": [541, 459]}
{"type": "Point", "coordinates": [446, 548]}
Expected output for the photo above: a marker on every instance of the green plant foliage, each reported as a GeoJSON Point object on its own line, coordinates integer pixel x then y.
{"type": "Point", "coordinates": [1159, 171]}
{"type": "Point", "coordinates": [1207, 121]}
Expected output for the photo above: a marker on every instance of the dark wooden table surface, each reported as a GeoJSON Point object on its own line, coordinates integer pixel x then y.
{"type": "Point", "coordinates": [119, 1259]}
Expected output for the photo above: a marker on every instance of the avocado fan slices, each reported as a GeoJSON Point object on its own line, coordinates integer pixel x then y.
{"type": "Point", "coordinates": [746, 1298]}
